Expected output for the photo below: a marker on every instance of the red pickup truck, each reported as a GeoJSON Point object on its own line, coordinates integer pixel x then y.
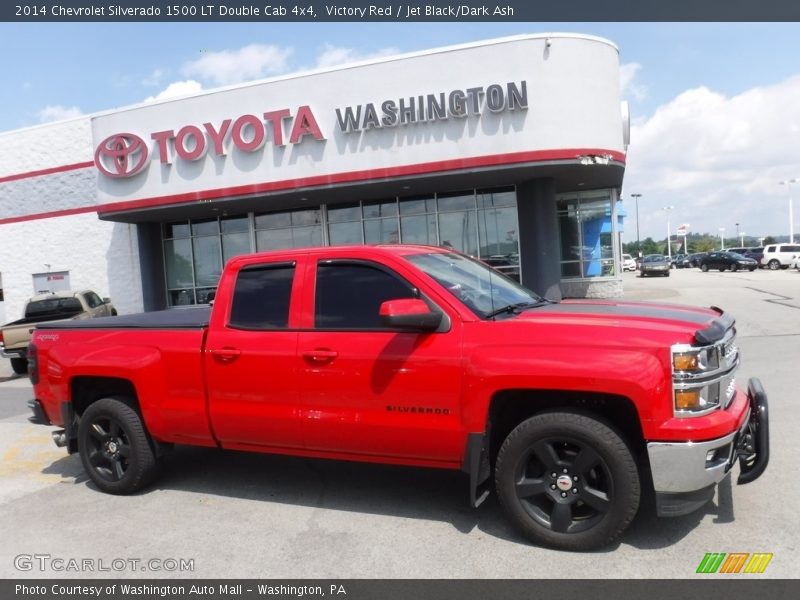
{"type": "Point", "coordinates": [419, 356]}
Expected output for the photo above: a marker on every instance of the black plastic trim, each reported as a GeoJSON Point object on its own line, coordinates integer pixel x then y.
{"type": "Point", "coordinates": [476, 463]}
{"type": "Point", "coordinates": [39, 417]}
{"type": "Point", "coordinates": [70, 426]}
{"type": "Point", "coordinates": [716, 331]}
{"type": "Point", "coordinates": [677, 505]}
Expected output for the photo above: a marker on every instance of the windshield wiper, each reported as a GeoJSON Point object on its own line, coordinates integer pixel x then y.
{"type": "Point", "coordinates": [517, 308]}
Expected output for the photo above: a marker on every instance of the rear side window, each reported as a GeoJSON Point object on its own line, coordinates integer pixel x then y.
{"type": "Point", "coordinates": [261, 297]}
{"type": "Point", "coordinates": [93, 300]}
{"type": "Point", "coordinates": [790, 249]}
{"type": "Point", "coordinates": [770, 249]}
{"type": "Point", "coordinates": [349, 295]}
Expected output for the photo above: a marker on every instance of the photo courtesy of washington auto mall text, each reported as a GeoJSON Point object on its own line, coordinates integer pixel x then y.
{"type": "Point", "coordinates": [183, 590]}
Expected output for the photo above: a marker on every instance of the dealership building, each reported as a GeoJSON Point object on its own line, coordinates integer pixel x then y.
{"type": "Point", "coordinates": [511, 150]}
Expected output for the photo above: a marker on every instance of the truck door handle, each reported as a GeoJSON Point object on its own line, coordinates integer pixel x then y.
{"type": "Point", "coordinates": [320, 356]}
{"type": "Point", "coordinates": [226, 355]}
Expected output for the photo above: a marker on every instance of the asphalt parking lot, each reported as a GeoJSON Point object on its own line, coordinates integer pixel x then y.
{"type": "Point", "coordinates": [245, 515]}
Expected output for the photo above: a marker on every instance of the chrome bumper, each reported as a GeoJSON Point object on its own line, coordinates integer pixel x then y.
{"type": "Point", "coordinates": [12, 353]}
{"type": "Point", "coordinates": [679, 467]}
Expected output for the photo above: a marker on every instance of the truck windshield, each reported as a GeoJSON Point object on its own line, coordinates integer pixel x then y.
{"type": "Point", "coordinates": [484, 290]}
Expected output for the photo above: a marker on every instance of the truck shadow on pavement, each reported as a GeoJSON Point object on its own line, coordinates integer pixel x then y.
{"type": "Point", "coordinates": [395, 491]}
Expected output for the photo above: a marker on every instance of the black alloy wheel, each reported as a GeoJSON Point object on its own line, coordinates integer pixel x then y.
{"type": "Point", "coordinates": [568, 481]}
{"type": "Point", "coordinates": [115, 449]}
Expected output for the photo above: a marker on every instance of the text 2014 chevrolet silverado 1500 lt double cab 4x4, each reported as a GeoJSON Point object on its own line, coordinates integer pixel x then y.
{"type": "Point", "coordinates": [416, 355]}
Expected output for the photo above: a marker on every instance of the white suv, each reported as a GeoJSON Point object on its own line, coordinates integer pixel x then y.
{"type": "Point", "coordinates": [779, 256]}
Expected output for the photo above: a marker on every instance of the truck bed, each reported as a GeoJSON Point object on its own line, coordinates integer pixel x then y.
{"type": "Point", "coordinates": [176, 318]}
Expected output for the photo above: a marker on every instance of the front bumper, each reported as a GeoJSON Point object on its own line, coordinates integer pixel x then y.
{"type": "Point", "coordinates": [685, 473]}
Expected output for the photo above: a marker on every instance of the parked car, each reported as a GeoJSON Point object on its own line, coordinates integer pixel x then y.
{"type": "Point", "coordinates": [779, 256]}
{"type": "Point", "coordinates": [756, 254]}
{"type": "Point", "coordinates": [694, 259]}
{"type": "Point", "coordinates": [727, 260]}
{"type": "Point", "coordinates": [628, 264]}
{"type": "Point", "coordinates": [679, 261]}
{"type": "Point", "coordinates": [42, 308]}
{"type": "Point", "coordinates": [655, 264]}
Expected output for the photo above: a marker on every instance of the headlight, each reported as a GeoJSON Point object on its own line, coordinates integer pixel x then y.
{"type": "Point", "coordinates": [693, 361]}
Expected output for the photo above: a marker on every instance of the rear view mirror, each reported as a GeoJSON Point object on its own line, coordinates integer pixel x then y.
{"type": "Point", "coordinates": [410, 314]}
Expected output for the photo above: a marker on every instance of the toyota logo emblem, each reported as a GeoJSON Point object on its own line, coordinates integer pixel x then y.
{"type": "Point", "coordinates": [121, 155]}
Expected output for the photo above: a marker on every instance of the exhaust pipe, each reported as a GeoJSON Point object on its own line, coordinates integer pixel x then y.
{"type": "Point", "coordinates": [60, 438]}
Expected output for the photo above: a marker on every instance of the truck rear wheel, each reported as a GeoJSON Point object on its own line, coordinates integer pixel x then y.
{"type": "Point", "coordinates": [19, 365]}
{"type": "Point", "coordinates": [115, 447]}
{"type": "Point", "coordinates": [567, 481]}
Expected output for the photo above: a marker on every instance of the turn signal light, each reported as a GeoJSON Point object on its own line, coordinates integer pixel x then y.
{"type": "Point", "coordinates": [686, 362]}
{"type": "Point", "coordinates": [687, 399]}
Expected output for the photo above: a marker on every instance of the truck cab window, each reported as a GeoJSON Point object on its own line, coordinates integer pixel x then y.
{"type": "Point", "coordinates": [261, 297]}
{"type": "Point", "coordinates": [349, 295]}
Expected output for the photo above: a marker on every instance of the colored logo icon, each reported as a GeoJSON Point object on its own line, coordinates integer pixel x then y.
{"type": "Point", "coordinates": [735, 562]}
{"type": "Point", "coordinates": [121, 155]}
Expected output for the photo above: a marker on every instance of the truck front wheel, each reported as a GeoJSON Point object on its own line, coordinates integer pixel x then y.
{"type": "Point", "coordinates": [19, 365]}
{"type": "Point", "coordinates": [567, 481]}
{"type": "Point", "coordinates": [115, 447]}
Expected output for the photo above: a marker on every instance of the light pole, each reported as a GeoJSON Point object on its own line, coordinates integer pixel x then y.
{"type": "Point", "coordinates": [742, 238]}
{"type": "Point", "coordinates": [666, 209]}
{"type": "Point", "coordinates": [638, 241]}
{"type": "Point", "coordinates": [722, 237]}
{"type": "Point", "coordinates": [737, 231]}
{"type": "Point", "coordinates": [788, 183]}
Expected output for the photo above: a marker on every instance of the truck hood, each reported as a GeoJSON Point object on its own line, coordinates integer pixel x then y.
{"type": "Point", "coordinates": [701, 325]}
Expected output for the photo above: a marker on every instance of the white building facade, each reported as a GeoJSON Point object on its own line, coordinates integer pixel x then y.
{"type": "Point", "coordinates": [510, 150]}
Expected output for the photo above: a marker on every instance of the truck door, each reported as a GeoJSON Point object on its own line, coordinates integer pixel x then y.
{"type": "Point", "coordinates": [369, 390]}
{"type": "Point", "coordinates": [250, 361]}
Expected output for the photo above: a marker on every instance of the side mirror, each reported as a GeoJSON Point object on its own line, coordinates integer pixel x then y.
{"type": "Point", "coordinates": [106, 300]}
{"type": "Point", "coordinates": [410, 314]}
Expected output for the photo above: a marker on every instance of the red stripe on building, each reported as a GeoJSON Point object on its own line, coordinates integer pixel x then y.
{"type": "Point", "coordinates": [305, 182]}
{"type": "Point", "coordinates": [48, 215]}
{"type": "Point", "coordinates": [364, 175]}
{"type": "Point", "coordinates": [49, 171]}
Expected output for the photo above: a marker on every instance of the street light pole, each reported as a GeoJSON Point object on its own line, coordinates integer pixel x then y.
{"type": "Point", "coordinates": [722, 237]}
{"type": "Point", "coordinates": [666, 209]}
{"type": "Point", "coordinates": [742, 236]}
{"type": "Point", "coordinates": [788, 183]}
{"type": "Point", "coordinates": [638, 241]}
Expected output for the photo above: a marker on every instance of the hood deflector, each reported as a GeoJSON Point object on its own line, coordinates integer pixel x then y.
{"type": "Point", "coordinates": [716, 331]}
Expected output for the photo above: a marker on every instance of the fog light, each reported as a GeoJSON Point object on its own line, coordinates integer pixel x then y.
{"type": "Point", "coordinates": [687, 399]}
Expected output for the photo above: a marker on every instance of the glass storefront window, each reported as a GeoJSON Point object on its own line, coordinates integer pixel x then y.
{"type": "Point", "coordinates": [340, 234]}
{"type": "Point", "coordinates": [481, 223]}
{"type": "Point", "coordinates": [586, 227]}
{"type": "Point", "coordinates": [178, 258]}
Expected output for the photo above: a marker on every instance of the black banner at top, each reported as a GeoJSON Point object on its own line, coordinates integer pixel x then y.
{"type": "Point", "coordinates": [397, 10]}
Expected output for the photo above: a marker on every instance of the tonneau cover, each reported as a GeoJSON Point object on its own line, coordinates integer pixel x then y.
{"type": "Point", "coordinates": [174, 318]}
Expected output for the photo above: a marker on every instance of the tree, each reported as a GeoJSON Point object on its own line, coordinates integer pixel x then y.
{"type": "Point", "coordinates": [769, 240]}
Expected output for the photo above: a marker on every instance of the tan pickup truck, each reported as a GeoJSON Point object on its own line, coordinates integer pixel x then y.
{"type": "Point", "coordinates": [15, 336]}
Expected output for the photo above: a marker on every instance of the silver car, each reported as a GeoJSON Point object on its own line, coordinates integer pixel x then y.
{"type": "Point", "coordinates": [655, 264]}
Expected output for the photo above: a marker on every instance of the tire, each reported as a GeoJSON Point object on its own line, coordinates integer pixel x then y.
{"type": "Point", "coordinates": [722, 269]}
{"type": "Point", "coordinates": [704, 268]}
{"type": "Point", "coordinates": [666, 274]}
{"type": "Point", "coordinates": [734, 268]}
{"type": "Point", "coordinates": [751, 269]}
{"type": "Point", "coordinates": [774, 265]}
{"type": "Point", "coordinates": [115, 448]}
{"type": "Point", "coordinates": [19, 365]}
{"type": "Point", "coordinates": [568, 445]}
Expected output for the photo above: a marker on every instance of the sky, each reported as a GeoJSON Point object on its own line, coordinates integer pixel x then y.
{"type": "Point", "coordinates": [715, 107]}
